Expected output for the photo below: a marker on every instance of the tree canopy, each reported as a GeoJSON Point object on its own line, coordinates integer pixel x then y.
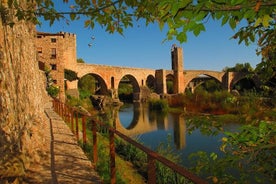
{"type": "Point", "coordinates": [239, 67]}
{"type": "Point", "coordinates": [178, 16]}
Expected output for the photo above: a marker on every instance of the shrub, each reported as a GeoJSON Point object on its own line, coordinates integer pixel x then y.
{"type": "Point", "coordinates": [52, 91]}
{"type": "Point", "coordinates": [159, 105]}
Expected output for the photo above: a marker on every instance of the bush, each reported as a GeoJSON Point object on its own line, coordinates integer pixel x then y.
{"type": "Point", "coordinates": [159, 105]}
{"type": "Point", "coordinates": [84, 94]}
{"type": "Point", "coordinates": [70, 75]}
{"type": "Point", "coordinates": [52, 91]}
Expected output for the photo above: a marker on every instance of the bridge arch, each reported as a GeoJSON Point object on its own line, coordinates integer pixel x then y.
{"type": "Point", "coordinates": [130, 79]}
{"type": "Point", "coordinates": [169, 83]}
{"type": "Point", "coordinates": [100, 84]}
{"type": "Point", "coordinates": [200, 79]}
{"type": "Point", "coordinates": [243, 84]}
{"type": "Point", "coordinates": [191, 75]}
{"type": "Point", "coordinates": [235, 77]}
{"type": "Point", "coordinates": [151, 82]}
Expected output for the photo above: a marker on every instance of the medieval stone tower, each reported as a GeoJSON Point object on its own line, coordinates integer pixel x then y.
{"type": "Point", "coordinates": [55, 51]}
{"type": "Point", "coordinates": [177, 67]}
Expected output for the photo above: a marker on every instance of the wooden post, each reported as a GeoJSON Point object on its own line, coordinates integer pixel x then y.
{"type": "Point", "coordinates": [112, 157]}
{"type": "Point", "coordinates": [84, 129]}
{"type": "Point", "coordinates": [151, 170]}
{"type": "Point", "coordinates": [72, 120]}
{"type": "Point", "coordinates": [95, 148]}
{"type": "Point", "coordinates": [77, 125]}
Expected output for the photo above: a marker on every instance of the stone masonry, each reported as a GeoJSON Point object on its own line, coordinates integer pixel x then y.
{"type": "Point", "coordinates": [55, 51]}
{"type": "Point", "coordinates": [58, 52]}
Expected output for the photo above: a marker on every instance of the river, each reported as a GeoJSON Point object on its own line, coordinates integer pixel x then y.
{"type": "Point", "coordinates": [183, 134]}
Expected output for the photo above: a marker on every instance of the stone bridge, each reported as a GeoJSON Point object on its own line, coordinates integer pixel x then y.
{"type": "Point", "coordinates": [109, 77]}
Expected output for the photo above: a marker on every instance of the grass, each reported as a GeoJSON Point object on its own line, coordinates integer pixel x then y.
{"type": "Point", "coordinates": [125, 171]}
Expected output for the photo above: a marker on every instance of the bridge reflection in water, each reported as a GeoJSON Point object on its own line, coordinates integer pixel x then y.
{"type": "Point", "coordinates": [144, 121]}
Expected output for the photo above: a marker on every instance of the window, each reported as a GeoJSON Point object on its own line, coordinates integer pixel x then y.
{"type": "Point", "coordinates": [41, 65]}
{"type": "Point", "coordinates": [53, 40]}
{"type": "Point", "coordinates": [55, 81]}
{"type": "Point", "coordinates": [39, 50]}
{"type": "Point", "coordinates": [53, 66]}
{"type": "Point", "coordinates": [39, 36]}
{"type": "Point", "coordinates": [53, 53]}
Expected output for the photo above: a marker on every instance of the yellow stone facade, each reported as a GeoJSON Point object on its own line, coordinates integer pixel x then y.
{"type": "Point", "coordinates": [54, 52]}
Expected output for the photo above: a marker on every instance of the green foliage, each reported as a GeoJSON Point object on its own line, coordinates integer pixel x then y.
{"type": "Point", "coordinates": [164, 174]}
{"type": "Point", "coordinates": [131, 153]}
{"type": "Point", "coordinates": [250, 153]}
{"type": "Point", "coordinates": [87, 83]}
{"type": "Point", "coordinates": [72, 101]}
{"type": "Point", "coordinates": [125, 91]}
{"type": "Point", "coordinates": [84, 94]}
{"type": "Point", "coordinates": [52, 90]}
{"type": "Point", "coordinates": [218, 102]}
{"type": "Point", "coordinates": [125, 88]}
{"type": "Point", "coordinates": [159, 105]}
{"type": "Point", "coordinates": [244, 67]}
{"type": "Point", "coordinates": [169, 87]}
{"type": "Point", "coordinates": [80, 60]}
{"type": "Point", "coordinates": [70, 75]}
{"type": "Point", "coordinates": [210, 85]}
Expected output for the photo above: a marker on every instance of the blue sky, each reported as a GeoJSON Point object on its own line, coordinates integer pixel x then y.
{"type": "Point", "coordinates": [143, 47]}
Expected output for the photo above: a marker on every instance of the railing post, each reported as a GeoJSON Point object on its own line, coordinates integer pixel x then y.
{"type": "Point", "coordinates": [72, 120]}
{"type": "Point", "coordinates": [84, 129]}
{"type": "Point", "coordinates": [112, 157]}
{"type": "Point", "coordinates": [59, 107]}
{"type": "Point", "coordinates": [95, 148]}
{"type": "Point", "coordinates": [151, 170]}
{"type": "Point", "coordinates": [62, 111]}
{"type": "Point", "coordinates": [77, 125]}
{"type": "Point", "coordinates": [66, 113]}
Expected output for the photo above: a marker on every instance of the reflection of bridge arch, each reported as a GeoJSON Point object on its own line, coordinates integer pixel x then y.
{"type": "Point", "coordinates": [142, 123]}
{"type": "Point", "coordinates": [100, 84]}
{"type": "Point", "coordinates": [139, 124]}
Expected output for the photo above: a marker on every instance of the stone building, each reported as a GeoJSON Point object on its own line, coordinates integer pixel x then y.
{"type": "Point", "coordinates": [55, 51]}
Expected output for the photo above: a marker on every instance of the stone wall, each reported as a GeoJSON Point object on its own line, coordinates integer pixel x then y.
{"type": "Point", "coordinates": [22, 94]}
{"type": "Point", "coordinates": [55, 51]}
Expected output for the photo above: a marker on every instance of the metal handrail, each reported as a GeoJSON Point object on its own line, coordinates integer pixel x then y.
{"type": "Point", "coordinates": [69, 113]}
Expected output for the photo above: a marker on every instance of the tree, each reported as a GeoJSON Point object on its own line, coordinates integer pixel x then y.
{"type": "Point", "coordinates": [70, 75]}
{"type": "Point", "coordinates": [239, 67]}
{"type": "Point", "coordinates": [80, 60]}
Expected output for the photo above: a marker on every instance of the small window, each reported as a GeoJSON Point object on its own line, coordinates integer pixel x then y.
{"type": "Point", "coordinates": [55, 81]}
{"type": "Point", "coordinates": [39, 36]}
{"type": "Point", "coordinates": [53, 40]}
{"type": "Point", "coordinates": [53, 53]}
{"type": "Point", "coordinates": [41, 65]}
{"type": "Point", "coordinates": [53, 66]}
{"type": "Point", "coordinates": [39, 50]}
